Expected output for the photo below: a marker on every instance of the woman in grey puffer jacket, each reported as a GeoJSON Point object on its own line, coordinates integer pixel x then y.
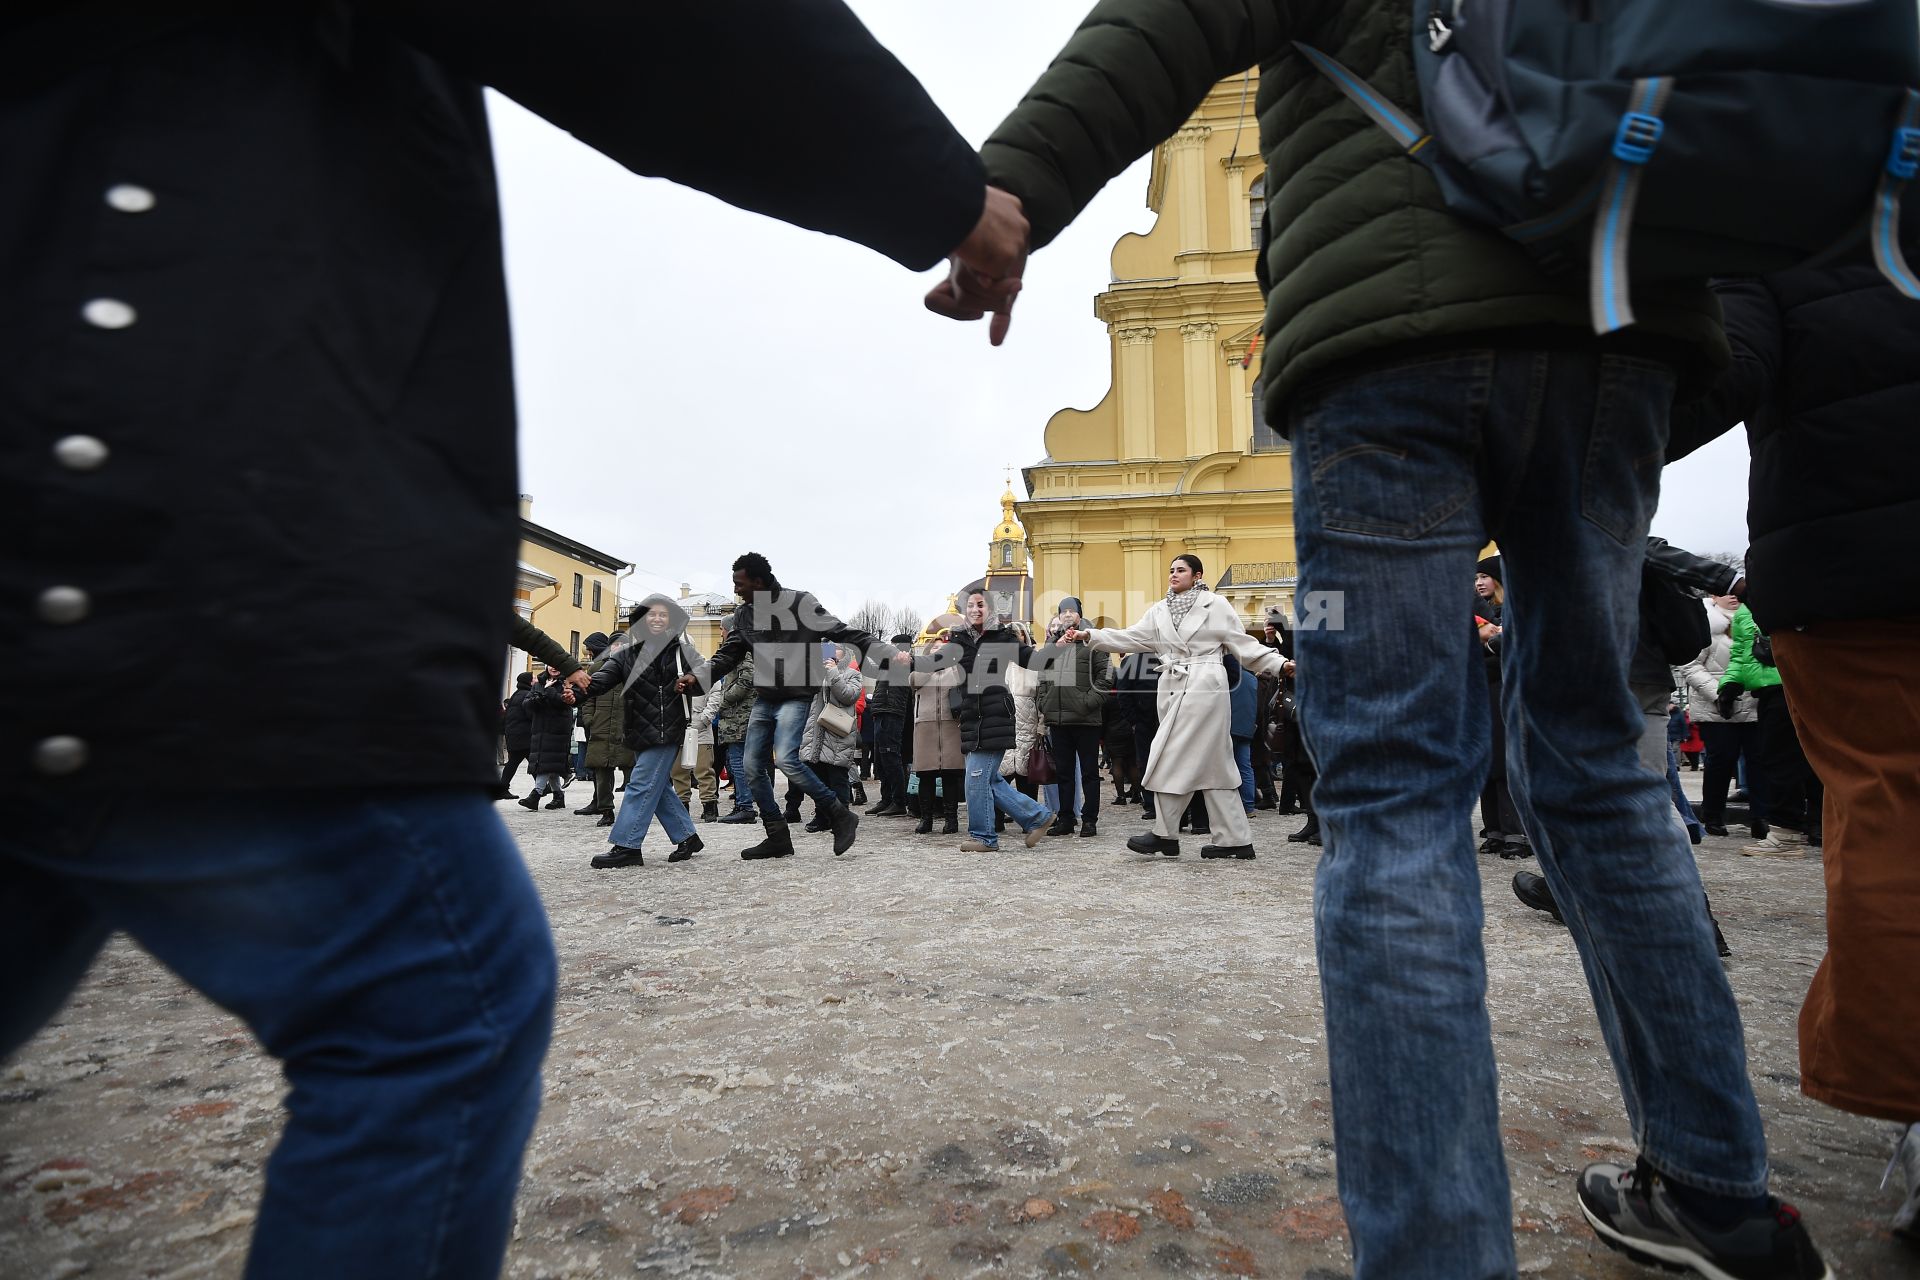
{"type": "Point", "coordinates": [832, 754]}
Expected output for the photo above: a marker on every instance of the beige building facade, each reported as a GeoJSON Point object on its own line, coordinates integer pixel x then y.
{"type": "Point", "coordinates": [565, 587]}
{"type": "Point", "coordinates": [1175, 457]}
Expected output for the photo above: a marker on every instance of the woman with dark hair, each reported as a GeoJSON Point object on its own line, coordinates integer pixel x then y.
{"type": "Point", "coordinates": [1192, 630]}
{"type": "Point", "coordinates": [645, 672]}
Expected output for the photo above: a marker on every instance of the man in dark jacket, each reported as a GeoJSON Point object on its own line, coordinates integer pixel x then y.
{"type": "Point", "coordinates": [1441, 390]}
{"type": "Point", "coordinates": [1074, 682]}
{"type": "Point", "coordinates": [254, 336]}
{"type": "Point", "coordinates": [1826, 377]}
{"type": "Point", "coordinates": [603, 720]}
{"type": "Point", "coordinates": [784, 630]}
{"type": "Point", "coordinates": [516, 728]}
{"type": "Point", "coordinates": [888, 709]}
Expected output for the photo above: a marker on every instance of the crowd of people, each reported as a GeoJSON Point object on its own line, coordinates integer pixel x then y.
{"type": "Point", "coordinates": [257, 339]}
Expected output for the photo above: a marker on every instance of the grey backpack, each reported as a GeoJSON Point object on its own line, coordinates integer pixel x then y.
{"type": "Point", "coordinates": [1720, 137]}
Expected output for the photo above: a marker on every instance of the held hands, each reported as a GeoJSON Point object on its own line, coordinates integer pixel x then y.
{"type": "Point", "coordinates": [1072, 635]}
{"type": "Point", "coordinates": [685, 682]}
{"type": "Point", "coordinates": [983, 273]}
{"type": "Point", "coordinates": [578, 680]}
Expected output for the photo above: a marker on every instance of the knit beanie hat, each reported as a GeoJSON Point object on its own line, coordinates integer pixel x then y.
{"type": "Point", "coordinates": [1491, 567]}
{"type": "Point", "coordinates": [595, 642]}
{"type": "Point", "coordinates": [1069, 603]}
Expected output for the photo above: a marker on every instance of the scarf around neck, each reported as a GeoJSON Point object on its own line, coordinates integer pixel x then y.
{"type": "Point", "coordinates": [1180, 604]}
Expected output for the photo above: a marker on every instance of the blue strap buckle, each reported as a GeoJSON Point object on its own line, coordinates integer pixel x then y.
{"type": "Point", "coordinates": [1638, 135]}
{"type": "Point", "coordinates": [1903, 161]}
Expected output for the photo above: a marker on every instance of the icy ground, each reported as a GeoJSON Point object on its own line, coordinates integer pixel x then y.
{"type": "Point", "coordinates": [912, 1061]}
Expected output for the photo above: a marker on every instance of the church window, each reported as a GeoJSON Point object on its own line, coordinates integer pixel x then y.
{"type": "Point", "coordinates": [1006, 555]}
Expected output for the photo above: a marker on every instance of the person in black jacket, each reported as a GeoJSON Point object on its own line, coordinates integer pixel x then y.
{"type": "Point", "coordinates": [1136, 681]}
{"type": "Point", "coordinates": [985, 707]}
{"type": "Point", "coordinates": [784, 630]}
{"type": "Point", "coordinates": [1826, 377]}
{"type": "Point", "coordinates": [549, 741]}
{"type": "Point", "coordinates": [646, 672]}
{"type": "Point", "coordinates": [888, 710]}
{"type": "Point", "coordinates": [517, 730]}
{"type": "Point", "coordinates": [254, 330]}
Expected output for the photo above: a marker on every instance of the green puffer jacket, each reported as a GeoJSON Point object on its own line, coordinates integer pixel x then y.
{"type": "Point", "coordinates": [605, 721]}
{"type": "Point", "coordinates": [1741, 664]}
{"type": "Point", "coordinates": [1074, 681]}
{"type": "Point", "coordinates": [1361, 255]}
{"type": "Point", "coordinates": [736, 703]}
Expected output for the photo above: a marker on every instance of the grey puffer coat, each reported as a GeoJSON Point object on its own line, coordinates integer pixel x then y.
{"type": "Point", "coordinates": [817, 746]}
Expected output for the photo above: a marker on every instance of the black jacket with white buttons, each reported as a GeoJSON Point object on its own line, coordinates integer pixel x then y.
{"type": "Point", "coordinates": [256, 397]}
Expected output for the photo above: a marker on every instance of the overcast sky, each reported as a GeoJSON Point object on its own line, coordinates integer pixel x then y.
{"type": "Point", "coordinates": [695, 381]}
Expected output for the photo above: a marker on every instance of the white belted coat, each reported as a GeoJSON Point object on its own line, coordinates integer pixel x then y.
{"type": "Point", "coordinates": [1193, 749]}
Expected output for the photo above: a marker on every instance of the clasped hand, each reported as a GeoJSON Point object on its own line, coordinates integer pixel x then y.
{"type": "Point", "coordinates": [983, 273]}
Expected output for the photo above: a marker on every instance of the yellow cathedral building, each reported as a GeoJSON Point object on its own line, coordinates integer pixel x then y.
{"type": "Point", "coordinates": [1176, 456]}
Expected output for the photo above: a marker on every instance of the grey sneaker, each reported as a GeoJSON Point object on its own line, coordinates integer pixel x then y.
{"type": "Point", "coordinates": [1632, 1211]}
{"type": "Point", "coordinates": [1906, 1157]}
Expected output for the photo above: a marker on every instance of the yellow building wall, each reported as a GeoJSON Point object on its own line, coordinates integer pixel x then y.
{"type": "Point", "coordinates": [553, 608]}
{"type": "Point", "coordinates": [1166, 462]}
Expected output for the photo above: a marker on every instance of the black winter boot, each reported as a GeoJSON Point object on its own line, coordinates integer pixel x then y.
{"type": "Point", "coordinates": [843, 822]}
{"type": "Point", "coordinates": [709, 812]}
{"type": "Point", "coordinates": [925, 826]}
{"type": "Point", "coordinates": [530, 801]}
{"type": "Point", "coordinates": [556, 801]}
{"type": "Point", "coordinates": [778, 844]}
{"type": "Point", "coordinates": [951, 827]}
{"type": "Point", "coordinates": [686, 849]}
{"type": "Point", "coordinates": [606, 818]}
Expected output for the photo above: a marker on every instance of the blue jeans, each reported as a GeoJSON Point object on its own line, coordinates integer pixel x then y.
{"type": "Point", "coordinates": [1680, 796]}
{"type": "Point", "coordinates": [1400, 476]}
{"type": "Point", "coordinates": [649, 794]}
{"type": "Point", "coordinates": [987, 789]}
{"type": "Point", "coordinates": [1243, 757]}
{"type": "Point", "coordinates": [774, 731]}
{"type": "Point", "coordinates": [390, 951]}
{"type": "Point", "coordinates": [737, 771]}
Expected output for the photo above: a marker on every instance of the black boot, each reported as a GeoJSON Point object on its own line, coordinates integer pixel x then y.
{"type": "Point", "coordinates": [557, 801]}
{"type": "Point", "coordinates": [792, 814]}
{"type": "Point", "coordinates": [739, 815]}
{"type": "Point", "coordinates": [1062, 826]}
{"type": "Point", "coordinates": [686, 849]}
{"type": "Point", "coordinates": [1088, 827]}
{"type": "Point", "coordinates": [591, 809]}
{"type": "Point", "coordinates": [925, 826]}
{"type": "Point", "coordinates": [1227, 851]}
{"type": "Point", "coordinates": [709, 812]}
{"type": "Point", "coordinates": [606, 818]}
{"type": "Point", "coordinates": [843, 822]}
{"type": "Point", "coordinates": [778, 844]}
{"type": "Point", "coordinates": [531, 800]}
{"type": "Point", "coordinates": [1307, 834]}
{"type": "Point", "coordinates": [618, 857]}
{"type": "Point", "coordinates": [1147, 842]}
{"type": "Point", "coordinates": [859, 794]}
{"type": "Point", "coordinates": [1533, 890]}
{"type": "Point", "coordinates": [951, 827]}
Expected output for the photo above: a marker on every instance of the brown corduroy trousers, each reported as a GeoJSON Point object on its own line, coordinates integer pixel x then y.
{"type": "Point", "coordinates": [1854, 690]}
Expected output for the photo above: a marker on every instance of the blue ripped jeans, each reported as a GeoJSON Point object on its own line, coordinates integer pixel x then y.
{"type": "Point", "coordinates": [1401, 474]}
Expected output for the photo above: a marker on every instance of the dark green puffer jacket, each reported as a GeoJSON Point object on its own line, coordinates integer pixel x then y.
{"type": "Point", "coordinates": [1361, 253]}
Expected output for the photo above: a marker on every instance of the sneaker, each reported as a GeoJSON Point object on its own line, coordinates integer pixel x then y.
{"type": "Point", "coordinates": [1774, 846]}
{"type": "Point", "coordinates": [739, 815]}
{"type": "Point", "coordinates": [1632, 1211]}
{"type": "Point", "coordinates": [1906, 1219]}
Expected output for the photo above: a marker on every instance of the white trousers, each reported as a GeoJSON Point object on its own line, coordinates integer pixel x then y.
{"type": "Point", "coordinates": [1225, 814]}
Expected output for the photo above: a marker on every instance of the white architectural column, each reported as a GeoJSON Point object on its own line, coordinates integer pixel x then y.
{"type": "Point", "coordinates": [1202, 387]}
{"type": "Point", "coordinates": [1133, 376]}
{"type": "Point", "coordinates": [1239, 220]}
{"type": "Point", "coordinates": [1187, 149]}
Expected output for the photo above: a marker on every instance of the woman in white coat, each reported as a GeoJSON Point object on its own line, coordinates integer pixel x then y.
{"type": "Point", "coordinates": [1192, 750]}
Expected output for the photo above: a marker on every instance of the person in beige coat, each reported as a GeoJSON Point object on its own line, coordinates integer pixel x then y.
{"type": "Point", "coordinates": [1192, 750]}
{"type": "Point", "coordinates": [937, 753]}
